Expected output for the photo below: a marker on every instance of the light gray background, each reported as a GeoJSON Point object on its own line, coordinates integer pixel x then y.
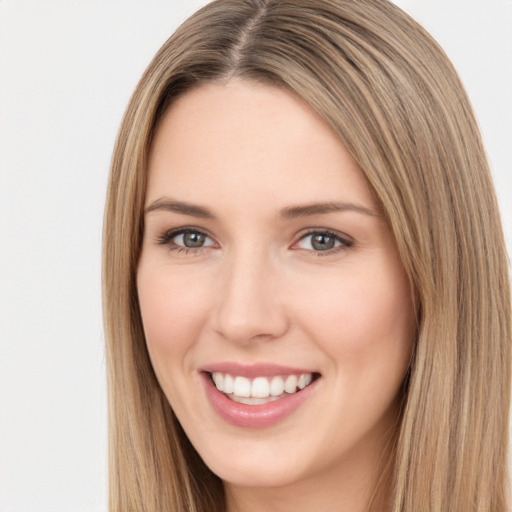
{"type": "Point", "coordinates": [67, 69]}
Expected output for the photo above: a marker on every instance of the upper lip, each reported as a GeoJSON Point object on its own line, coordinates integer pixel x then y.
{"type": "Point", "coordinates": [254, 370]}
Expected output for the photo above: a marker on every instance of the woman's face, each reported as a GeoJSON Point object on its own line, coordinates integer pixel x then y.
{"type": "Point", "coordinates": [266, 266]}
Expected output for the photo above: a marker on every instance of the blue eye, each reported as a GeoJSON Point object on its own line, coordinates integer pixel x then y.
{"type": "Point", "coordinates": [323, 241]}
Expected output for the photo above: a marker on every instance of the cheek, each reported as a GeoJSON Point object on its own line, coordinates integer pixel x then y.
{"type": "Point", "coordinates": [366, 328]}
{"type": "Point", "coordinates": [364, 322]}
{"type": "Point", "coordinates": [173, 308]}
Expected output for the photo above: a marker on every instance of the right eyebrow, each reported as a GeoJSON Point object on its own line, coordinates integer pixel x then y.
{"type": "Point", "coordinates": [179, 207]}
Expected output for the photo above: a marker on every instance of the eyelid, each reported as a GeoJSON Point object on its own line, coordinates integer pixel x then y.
{"type": "Point", "coordinates": [167, 236]}
{"type": "Point", "coordinates": [345, 241]}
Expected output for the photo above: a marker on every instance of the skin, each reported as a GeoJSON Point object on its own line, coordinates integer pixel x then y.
{"type": "Point", "coordinates": [259, 291]}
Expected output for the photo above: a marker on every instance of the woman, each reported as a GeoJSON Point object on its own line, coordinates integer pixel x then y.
{"type": "Point", "coordinates": [245, 371]}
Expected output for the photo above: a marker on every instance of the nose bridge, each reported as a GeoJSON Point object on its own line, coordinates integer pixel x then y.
{"type": "Point", "coordinates": [248, 306]}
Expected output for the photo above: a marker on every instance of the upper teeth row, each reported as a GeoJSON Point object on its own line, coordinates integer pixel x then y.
{"type": "Point", "coordinates": [260, 387]}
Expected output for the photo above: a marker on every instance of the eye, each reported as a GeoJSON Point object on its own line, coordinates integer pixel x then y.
{"type": "Point", "coordinates": [192, 240]}
{"type": "Point", "coordinates": [186, 239]}
{"type": "Point", "coordinates": [325, 242]}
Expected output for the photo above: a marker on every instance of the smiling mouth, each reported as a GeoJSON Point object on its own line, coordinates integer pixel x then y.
{"type": "Point", "coordinates": [260, 390]}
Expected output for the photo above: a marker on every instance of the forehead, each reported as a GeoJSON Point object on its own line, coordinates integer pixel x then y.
{"type": "Point", "coordinates": [244, 142]}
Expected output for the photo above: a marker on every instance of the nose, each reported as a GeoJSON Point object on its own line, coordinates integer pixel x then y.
{"type": "Point", "coordinates": [249, 307]}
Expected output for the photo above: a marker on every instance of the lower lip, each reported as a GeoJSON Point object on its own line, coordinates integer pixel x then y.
{"type": "Point", "coordinates": [255, 416]}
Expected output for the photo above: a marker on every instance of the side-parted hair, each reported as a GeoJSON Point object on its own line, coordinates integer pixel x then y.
{"type": "Point", "coordinates": [393, 97]}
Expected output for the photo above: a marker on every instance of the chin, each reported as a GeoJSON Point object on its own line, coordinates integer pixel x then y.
{"type": "Point", "coordinates": [241, 469]}
{"type": "Point", "coordinates": [255, 476]}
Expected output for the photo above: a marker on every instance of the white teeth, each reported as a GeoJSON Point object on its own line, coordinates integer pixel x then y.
{"type": "Point", "coordinates": [301, 382]}
{"type": "Point", "coordinates": [290, 384]}
{"type": "Point", "coordinates": [218, 378]}
{"type": "Point", "coordinates": [242, 387]}
{"type": "Point", "coordinates": [304, 380]}
{"type": "Point", "coordinates": [229, 384]}
{"type": "Point", "coordinates": [253, 401]}
{"type": "Point", "coordinates": [276, 386]}
{"type": "Point", "coordinates": [261, 388]}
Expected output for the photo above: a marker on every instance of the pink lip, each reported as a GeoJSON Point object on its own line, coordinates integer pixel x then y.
{"type": "Point", "coordinates": [255, 416]}
{"type": "Point", "coordinates": [252, 371]}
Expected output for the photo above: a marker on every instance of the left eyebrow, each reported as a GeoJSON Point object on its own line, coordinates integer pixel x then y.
{"type": "Point", "coordinates": [292, 212]}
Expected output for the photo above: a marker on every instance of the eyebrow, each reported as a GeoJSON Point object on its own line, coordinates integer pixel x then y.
{"type": "Point", "coordinates": [290, 212]}
{"type": "Point", "coordinates": [179, 207]}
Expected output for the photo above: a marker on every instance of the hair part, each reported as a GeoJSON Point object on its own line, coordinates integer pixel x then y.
{"type": "Point", "coordinates": [394, 99]}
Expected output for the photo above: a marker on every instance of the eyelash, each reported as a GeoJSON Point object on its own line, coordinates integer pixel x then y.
{"type": "Point", "coordinates": [345, 243]}
{"type": "Point", "coordinates": [167, 239]}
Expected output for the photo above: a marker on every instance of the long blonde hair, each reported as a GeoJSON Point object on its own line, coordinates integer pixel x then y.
{"type": "Point", "coordinates": [382, 83]}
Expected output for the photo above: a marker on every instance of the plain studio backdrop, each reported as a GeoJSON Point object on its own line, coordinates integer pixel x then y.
{"type": "Point", "coordinates": [67, 70]}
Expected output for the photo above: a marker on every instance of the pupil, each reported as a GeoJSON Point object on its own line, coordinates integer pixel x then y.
{"type": "Point", "coordinates": [322, 242]}
{"type": "Point", "coordinates": [193, 239]}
